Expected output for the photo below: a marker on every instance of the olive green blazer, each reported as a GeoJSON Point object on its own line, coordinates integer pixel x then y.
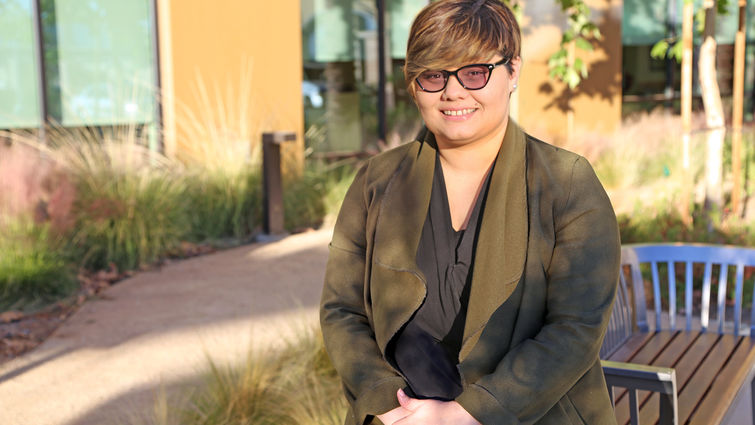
{"type": "Point", "coordinates": [544, 278]}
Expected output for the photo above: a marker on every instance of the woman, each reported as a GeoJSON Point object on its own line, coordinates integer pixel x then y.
{"type": "Point", "coordinates": [471, 273]}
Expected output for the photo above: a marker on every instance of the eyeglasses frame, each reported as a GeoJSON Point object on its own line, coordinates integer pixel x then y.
{"type": "Point", "coordinates": [448, 74]}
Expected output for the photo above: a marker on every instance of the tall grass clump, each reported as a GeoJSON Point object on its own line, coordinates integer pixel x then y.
{"type": "Point", "coordinates": [33, 268]}
{"type": "Point", "coordinates": [223, 205]}
{"type": "Point", "coordinates": [129, 205]}
{"type": "Point", "coordinates": [314, 197]}
{"type": "Point", "coordinates": [218, 141]}
{"type": "Point", "coordinates": [289, 386]}
{"type": "Point", "coordinates": [127, 219]}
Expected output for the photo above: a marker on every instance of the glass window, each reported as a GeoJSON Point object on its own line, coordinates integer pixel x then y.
{"type": "Point", "coordinates": [19, 103]}
{"type": "Point", "coordinates": [98, 58]}
{"type": "Point", "coordinates": [644, 22]}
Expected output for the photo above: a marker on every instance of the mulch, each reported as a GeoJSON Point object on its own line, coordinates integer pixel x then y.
{"type": "Point", "coordinates": [20, 332]}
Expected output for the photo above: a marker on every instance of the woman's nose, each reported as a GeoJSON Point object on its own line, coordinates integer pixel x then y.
{"type": "Point", "coordinates": [454, 89]}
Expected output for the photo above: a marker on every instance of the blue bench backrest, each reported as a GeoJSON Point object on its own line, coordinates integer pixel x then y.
{"type": "Point", "coordinates": [630, 306]}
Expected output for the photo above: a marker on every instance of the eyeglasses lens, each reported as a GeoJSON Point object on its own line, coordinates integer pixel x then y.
{"type": "Point", "coordinates": [472, 77]}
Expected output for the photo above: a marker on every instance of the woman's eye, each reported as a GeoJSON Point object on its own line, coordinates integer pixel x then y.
{"type": "Point", "coordinates": [474, 72]}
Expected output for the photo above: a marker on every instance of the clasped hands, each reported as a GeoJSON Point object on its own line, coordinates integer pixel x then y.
{"type": "Point", "coordinates": [414, 411]}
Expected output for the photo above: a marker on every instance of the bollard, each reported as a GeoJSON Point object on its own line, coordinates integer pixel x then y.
{"type": "Point", "coordinates": [271, 180]}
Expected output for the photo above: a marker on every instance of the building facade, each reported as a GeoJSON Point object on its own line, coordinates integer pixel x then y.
{"type": "Point", "coordinates": [307, 66]}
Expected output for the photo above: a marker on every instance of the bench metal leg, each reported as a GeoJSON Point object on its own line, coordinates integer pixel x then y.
{"type": "Point", "coordinates": [634, 409]}
{"type": "Point", "coordinates": [669, 409]}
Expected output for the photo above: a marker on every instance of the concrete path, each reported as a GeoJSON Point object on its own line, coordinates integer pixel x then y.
{"type": "Point", "coordinates": [156, 329]}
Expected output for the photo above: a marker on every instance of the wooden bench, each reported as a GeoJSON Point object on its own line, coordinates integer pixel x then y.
{"type": "Point", "coordinates": [701, 365]}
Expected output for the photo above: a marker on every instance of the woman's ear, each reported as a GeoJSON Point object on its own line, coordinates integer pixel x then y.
{"type": "Point", "coordinates": [516, 67]}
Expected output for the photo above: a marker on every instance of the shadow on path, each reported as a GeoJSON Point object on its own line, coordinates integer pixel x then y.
{"type": "Point", "coordinates": [157, 324]}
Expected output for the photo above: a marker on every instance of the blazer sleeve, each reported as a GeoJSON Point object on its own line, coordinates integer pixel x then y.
{"type": "Point", "coordinates": [369, 382]}
{"type": "Point", "coordinates": [581, 283]}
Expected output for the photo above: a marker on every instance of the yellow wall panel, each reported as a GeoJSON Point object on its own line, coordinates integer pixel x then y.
{"type": "Point", "coordinates": [545, 106]}
{"type": "Point", "coordinates": [230, 61]}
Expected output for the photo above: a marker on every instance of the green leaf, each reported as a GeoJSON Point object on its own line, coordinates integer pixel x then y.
{"type": "Point", "coordinates": [556, 59]}
{"type": "Point", "coordinates": [581, 66]}
{"type": "Point", "coordinates": [561, 53]}
{"type": "Point", "coordinates": [584, 44]}
{"type": "Point", "coordinates": [700, 20]}
{"type": "Point", "coordinates": [571, 78]}
{"type": "Point", "coordinates": [659, 50]}
{"type": "Point", "coordinates": [568, 36]}
{"type": "Point", "coordinates": [677, 51]}
{"type": "Point", "coordinates": [722, 7]}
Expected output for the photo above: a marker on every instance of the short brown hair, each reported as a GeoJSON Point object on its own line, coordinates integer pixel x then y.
{"type": "Point", "coordinates": [453, 32]}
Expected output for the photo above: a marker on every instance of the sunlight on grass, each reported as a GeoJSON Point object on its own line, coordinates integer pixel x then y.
{"type": "Point", "coordinates": [223, 133]}
{"type": "Point", "coordinates": [295, 384]}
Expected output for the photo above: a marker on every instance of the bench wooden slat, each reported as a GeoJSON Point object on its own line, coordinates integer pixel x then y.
{"type": "Point", "coordinates": [703, 377]}
{"type": "Point", "coordinates": [631, 347]}
{"type": "Point", "coordinates": [726, 385]}
{"type": "Point", "coordinates": [653, 348]}
{"type": "Point", "coordinates": [686, 366]}
{"type": "Point", "coordinates": [667, 357]}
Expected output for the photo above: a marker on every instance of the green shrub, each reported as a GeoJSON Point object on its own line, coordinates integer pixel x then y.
{"type": "Point", "coordinates": [666, 225]}
{"type": "Point", "coordinates": [222, 205]}
{"type": "Point", "coordinates": [316, 194]}
{"type": "Point", "coordinates": [127, 218]}
{"type": "Point", "coordinates": [33, 269]}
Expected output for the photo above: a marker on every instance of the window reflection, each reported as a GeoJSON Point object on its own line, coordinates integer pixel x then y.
{"type": "Point", "coordinates": [341, 72]}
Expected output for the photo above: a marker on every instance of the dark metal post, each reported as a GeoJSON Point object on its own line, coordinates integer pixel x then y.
{"type": "Point", "coordinates": [39, 50]}
{"type": "Point", "coordinates": [381, 72]}
{"type": "Point", "coordinates": [271, 180]}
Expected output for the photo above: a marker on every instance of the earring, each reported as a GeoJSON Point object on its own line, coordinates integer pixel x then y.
{"type": "Point", "coordinates": [515, 86]}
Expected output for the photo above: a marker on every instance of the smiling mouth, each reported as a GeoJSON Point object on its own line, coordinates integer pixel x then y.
{"type": "Point", "coordinates": [457, 112]}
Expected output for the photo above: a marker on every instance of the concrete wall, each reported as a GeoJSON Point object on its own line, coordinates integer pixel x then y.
{"type": "Point", "coordinates": [246, 54]}
{"type": "Point", "coordinates": [545, 105]}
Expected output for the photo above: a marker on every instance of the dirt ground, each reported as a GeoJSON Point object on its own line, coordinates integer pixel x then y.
{"type": "Point", "coordinates": [155, 331]}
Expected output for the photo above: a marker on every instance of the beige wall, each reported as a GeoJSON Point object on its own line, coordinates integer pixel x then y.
{"type": "Point", "coordinates": [247, 54]}
{"type": "Point", "coordinates": [544, 104]}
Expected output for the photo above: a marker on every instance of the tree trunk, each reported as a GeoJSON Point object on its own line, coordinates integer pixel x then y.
{"type": "Point", "coordinates": [714, 113]}
{"type": "Point", "coordinates": [687, 34]}
{"type": "Point", "coordinates": [738, 110]}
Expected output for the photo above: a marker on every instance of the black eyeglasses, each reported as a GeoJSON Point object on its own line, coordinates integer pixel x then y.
{"type": "Point", "coordinates": [471, 77]}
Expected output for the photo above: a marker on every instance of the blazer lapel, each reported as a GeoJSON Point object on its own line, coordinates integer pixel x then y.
{"type": "Point", "coordinates": [397, 286]}
{"type": "Point", "coordinates": [502, 242]}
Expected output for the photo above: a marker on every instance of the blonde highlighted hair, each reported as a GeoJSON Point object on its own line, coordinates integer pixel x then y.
{"type": "Point", "coordinates": [450, 33]}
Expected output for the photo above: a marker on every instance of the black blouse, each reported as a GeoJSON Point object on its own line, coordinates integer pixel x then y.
{"type": "Point", "coordinates": [426, 350]}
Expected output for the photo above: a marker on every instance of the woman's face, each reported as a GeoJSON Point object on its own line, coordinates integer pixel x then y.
{"type": "Point", "coordinates": [458, 116]}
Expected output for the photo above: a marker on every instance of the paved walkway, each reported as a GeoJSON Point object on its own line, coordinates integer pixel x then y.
{"type": "Point", "coordinates": [156, 329]}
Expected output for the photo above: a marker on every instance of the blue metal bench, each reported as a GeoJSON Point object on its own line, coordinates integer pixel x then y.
{"type": "Point", "coordinates": [712, 355]}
